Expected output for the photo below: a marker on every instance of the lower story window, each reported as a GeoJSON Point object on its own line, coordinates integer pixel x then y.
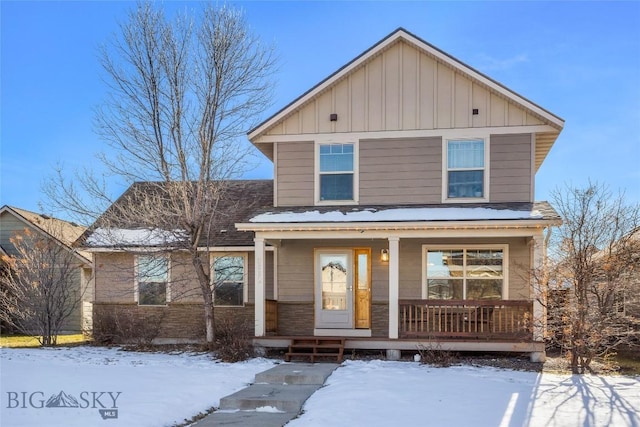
{"type": "Point", "coordinates": [229, 280]}
{"type": "Point", "coordinates": [464, 273]}
{"type": "Point", "coordinates": [152, 280]}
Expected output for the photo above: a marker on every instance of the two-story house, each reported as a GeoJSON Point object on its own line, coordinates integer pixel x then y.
{"type": "Point", "coordinates": [402, 210]}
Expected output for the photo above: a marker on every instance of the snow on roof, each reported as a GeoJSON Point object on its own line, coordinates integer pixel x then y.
{"type": "Point", "coordinates": [101, 237]}
{"type": "Point", "coordinates": [398, 215]}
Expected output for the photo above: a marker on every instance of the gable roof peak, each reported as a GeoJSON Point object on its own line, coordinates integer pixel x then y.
{"type": "Point", "coordinates": [402, 34]}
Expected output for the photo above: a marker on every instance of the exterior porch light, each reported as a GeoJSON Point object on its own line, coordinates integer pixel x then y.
{"type": "Point", "coordinates": [384, 255]}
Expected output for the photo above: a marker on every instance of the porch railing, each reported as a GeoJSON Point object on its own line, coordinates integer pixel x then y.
{"type": "Point", "coordinates": [496, 319]}
{"type": "Point", "coordinates": [271, 316]}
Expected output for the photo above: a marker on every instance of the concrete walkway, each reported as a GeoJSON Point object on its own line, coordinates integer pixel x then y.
{"type": "Point", "coordinates": [274, 399]}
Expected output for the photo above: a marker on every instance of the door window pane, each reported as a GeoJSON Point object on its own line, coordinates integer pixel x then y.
{"type": "Point", "coordinates": [334, 281]}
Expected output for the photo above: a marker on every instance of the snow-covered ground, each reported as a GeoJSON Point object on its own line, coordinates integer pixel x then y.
{"type": "Point", "coordinates": [155, 389]}
{"type": "Point", "coordinates": [380, 393]}
{"type": "Point", "coordinates": [163, 389]}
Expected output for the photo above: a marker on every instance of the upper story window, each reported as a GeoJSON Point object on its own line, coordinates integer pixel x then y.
{"type": "Point", "coordinates": [465, 169]}
{"type": "Point", "coordinates": [152, 280]}
{"type": "Point", "coordinates": [336, 172]}
{"type": "Point", "coordinates": [229, 280]}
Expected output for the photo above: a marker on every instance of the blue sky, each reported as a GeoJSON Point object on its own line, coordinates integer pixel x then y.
{"type": "Point", "coordinates": [580, 60]}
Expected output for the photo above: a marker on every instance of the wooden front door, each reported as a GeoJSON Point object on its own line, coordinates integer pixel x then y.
{"type": "Point", "coordinates": [362, 272]}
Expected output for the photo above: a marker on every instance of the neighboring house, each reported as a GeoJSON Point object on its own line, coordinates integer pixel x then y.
{"type": "Point", "coordinates": [401, 212]}
{"type": "Point", "coordinates": [14, 221]}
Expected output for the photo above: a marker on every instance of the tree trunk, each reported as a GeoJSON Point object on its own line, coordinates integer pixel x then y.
{"type": "Point", "coordinates": [207, 296]}
{"type": "Point", "coordinates": [210, 323]}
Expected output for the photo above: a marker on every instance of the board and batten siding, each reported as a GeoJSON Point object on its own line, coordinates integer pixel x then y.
{"type": "Point", "coordinates": [511, 175]}
{"type": "Point", "coordinates": [294, 174]}
{"type": "Point", "coordinates": [403, 88]}
{"type": "Point", "coordinates": [400, 171]}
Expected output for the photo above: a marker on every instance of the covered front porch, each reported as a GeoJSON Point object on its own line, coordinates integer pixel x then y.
{"type": "Point", "coordinates": [454, 325]}
{"type": "Point", "coordinates": [405, 308]}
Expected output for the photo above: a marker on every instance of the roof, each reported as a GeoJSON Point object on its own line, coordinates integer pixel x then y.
{"type": "Point", "coordinates": [241, 200]}
{"type": "Point", "coordinates": [379, 213]}
{"type": "Point", "coordinates": [65, 232]}
{"type": "Point", "coordinates": [408, 217]}
{"type": "Point", "coordinates": [544, 143]}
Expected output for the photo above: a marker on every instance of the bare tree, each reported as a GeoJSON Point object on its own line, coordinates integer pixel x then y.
{"type": "Point", "coordinates": [597, 254]}
{"type": "Point", "coordinates": [181, 94]}
{"type": "Point", "coordinates": [40, 287]}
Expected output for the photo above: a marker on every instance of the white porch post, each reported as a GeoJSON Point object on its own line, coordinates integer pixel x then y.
{"type": "Point", "coordinates": [538, 293]}
{"type": "Point", "coordinates": [394, 285]}
{"type": "Point", "coordinates": [259, 285]}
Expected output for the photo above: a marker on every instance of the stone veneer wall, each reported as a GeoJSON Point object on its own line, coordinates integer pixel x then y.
{"type": "Point", "coordinates": [179, 321]}
{"type": "Point", "coordinates": [295, 318]}
{"type": "Point", "coordinates": [379, 319]}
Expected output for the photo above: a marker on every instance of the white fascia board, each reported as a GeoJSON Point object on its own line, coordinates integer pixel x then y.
{"type": "Point", "coordinates": [151, 249]}
{"type": "Point", "coordinates": [401, 234]}
{"type": "Point", "coordinates": [419, 133]}
{"type": "Point", "coordinates": [360, 227]}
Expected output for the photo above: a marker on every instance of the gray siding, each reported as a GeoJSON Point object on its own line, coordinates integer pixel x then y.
{"type": "Point", "coordinates": [11, 226]}
{"type": "Point", "coordinates": [294, 173]}
{"type": "Point", "coordinates": [400, 171]}
{"type": "Point", "coordinates": [114, 278]}
{"type": "Point", "coordinates": [510, 168]}
{"type": "Point", "coordinates": [296, 260]}
{"type": "Point", "coordinates": [406, 171]}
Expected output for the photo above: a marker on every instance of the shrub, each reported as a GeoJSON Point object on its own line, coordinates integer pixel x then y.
{"type": "Point", "coordinates": [233, 339]}
{"type": "Point", "coordinates": [126, 325]}
{"type": "Point", "coordinates": [433, 354]}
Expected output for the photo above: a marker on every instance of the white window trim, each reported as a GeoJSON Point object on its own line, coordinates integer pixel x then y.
{"type": "Point", "coordinates": [445, 171]}
{"type": "Point", "coordinates": [245, 275]}
{"type": "Point", "coordinates": [356, 171]}
{"type": "Point", "coordinates": [136, 287]}
{"type": "Point", "coordinates": [505, 264]}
